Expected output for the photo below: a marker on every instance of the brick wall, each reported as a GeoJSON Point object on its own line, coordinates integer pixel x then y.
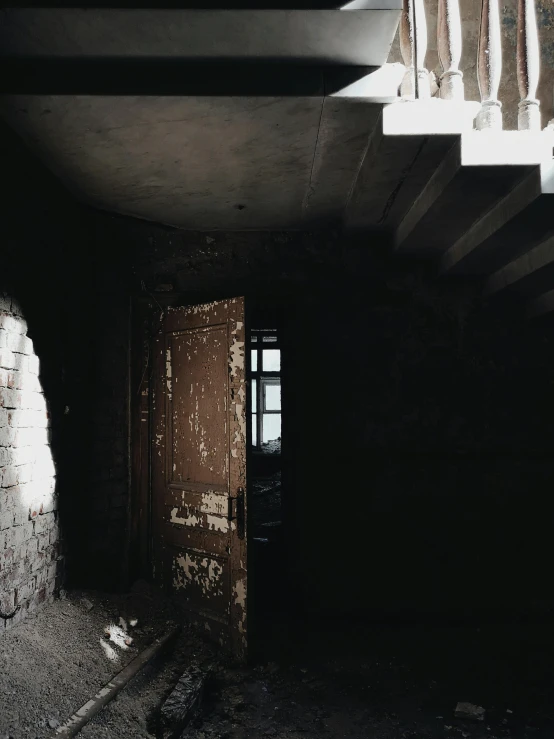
{"type": "Point", "coordinates": [48, 330]}
{"type": "Point", "coordinates": [30, 539]}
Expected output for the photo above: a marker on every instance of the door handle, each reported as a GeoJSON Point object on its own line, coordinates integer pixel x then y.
{"type": "Point", "coordinates": [239, 516]}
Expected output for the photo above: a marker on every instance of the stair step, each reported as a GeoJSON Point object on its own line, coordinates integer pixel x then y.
{"type": "Point", "coordinates": [409, 144]}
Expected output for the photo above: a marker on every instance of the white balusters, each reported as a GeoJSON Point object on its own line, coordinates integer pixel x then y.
{"type": "Point", "coordinates": [413, 44]}
{"type": "Point", "coordinates": [417, 81]}
{"type": "Point", "coordinates": [489, 67]}
{"type": "Point", "coordinates": [528, 66]}
{"type": "Point", "coordinates": [449, 42]}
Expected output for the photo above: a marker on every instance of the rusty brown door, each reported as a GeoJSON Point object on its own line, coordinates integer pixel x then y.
{"type": "Point", "coordinates": [199, 465]}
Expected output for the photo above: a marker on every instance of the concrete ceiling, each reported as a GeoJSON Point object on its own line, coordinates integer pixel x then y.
{"type": "Point", "coordinates": [361, 35]}
{"type": "Point", "coordinates": [262, 123]}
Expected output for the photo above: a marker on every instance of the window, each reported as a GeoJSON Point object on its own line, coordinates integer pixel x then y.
{"type": "Point", "coordinates": [265, 385]}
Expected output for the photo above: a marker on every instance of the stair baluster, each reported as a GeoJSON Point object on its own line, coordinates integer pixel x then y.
{"type": "Point", "coordinates": [449, 42]}
{"type": "Point", "coordinates": [489, 67]}
{"type": "Point", "coordinates": [413, 44]}
{"type": "Point", "coordinates": [528, 66]}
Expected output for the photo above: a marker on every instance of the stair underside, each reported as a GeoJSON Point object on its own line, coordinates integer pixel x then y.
{"type": "Point", "coordinates": [249, 117]}
{"type": "Point", "coordinates": [276, 119]}
{"type": "Point", "coordinates": [477, 203]}
{"type": "Point", "coordinates": [202, 163]}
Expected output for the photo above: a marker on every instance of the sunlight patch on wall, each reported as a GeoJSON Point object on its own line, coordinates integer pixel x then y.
{"type": "Point", "coordinates": [30, 556]}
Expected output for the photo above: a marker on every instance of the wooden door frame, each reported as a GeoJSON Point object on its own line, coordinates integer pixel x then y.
{"type": "Point", "coordinates": [146, 314]}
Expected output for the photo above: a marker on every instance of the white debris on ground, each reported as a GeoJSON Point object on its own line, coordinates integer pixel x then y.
{"type": "Point", "coordinates": [119, 636]}
{"type": "Point", "coordinates": [109, 651]}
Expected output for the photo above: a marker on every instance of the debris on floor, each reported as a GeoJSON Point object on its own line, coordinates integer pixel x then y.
{"type": "Point", "coordinates": [469, 711]}
{"type": "Point", "coordinates": [74, 725]}
{"type": "Point", "coordinates": [337, 682]}
{"type": "Point", "coordinates": [265, 504]}
{"type": "Point", "coordinates": [271, 447]}
{"type": "Point", "coordinates": [60, 656]}
{"type": "Point", "coordinates": [184, 700]}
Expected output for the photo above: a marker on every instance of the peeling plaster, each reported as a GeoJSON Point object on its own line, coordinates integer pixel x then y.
{"type": "Point", "coordinates": [190, 520]}
{"type": "Point", "coordinates": [236, 360]}
{"type": "Point", "coordinates": [241, 420]}
{"type": "Point", "coordinates": [239, 593]}
{"type": "Point", "coordinates": [206, 573]}
{"type": "Point", "coordinates": [198, 517]}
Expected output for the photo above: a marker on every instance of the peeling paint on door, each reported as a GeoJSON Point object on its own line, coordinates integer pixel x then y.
{"type": "Point", "coordinates": [199, 406]}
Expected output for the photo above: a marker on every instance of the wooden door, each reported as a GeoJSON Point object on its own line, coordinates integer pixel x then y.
{"type": "Point", "coordinates": [199, 465]}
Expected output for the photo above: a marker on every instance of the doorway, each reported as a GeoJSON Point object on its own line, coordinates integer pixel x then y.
{"type": "Point", "coordinates": [210, 414]}
{"type": "Point", "coordinates": [267, 425]}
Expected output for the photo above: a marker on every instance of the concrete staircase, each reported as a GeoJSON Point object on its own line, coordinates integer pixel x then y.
{"type": "Point", "coordinates": [478, 203]}
{"type": "Point", "coordinates": [243, 117]}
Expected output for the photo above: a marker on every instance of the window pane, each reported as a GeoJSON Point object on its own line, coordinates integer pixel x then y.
{"type": "Point", "coordinates": [254, 430]}
{"type": "Point", "coordinates": [272, 397]}
{"type": "Point", "coordinates": [254, 360]}
{"type": "Point", "coordinates": [271, 426]}
{"type": "Point", "coordinates": [254, 392]}
{"type": "Point", "coordinates": [271, 360]}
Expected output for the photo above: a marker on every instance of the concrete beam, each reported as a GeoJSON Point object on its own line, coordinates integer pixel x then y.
{"type": "Point", "coordinates": [530, 274]}
{"type": "Point", "coordinates": [315, 32]}
{"type": "Point", "coordinates": [542, 305]}
{"type": "Point", "coordinates": [209, 5]}
{"type": "Point", "coordinates": [439, 181]}
{"type": "Point", "coordinates": [517, 222]}
{"type": "Point", "coordinates": [470, 192]}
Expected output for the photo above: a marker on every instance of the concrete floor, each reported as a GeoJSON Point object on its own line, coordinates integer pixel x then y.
{"type": "Point", "coordinates": [360, 681]}
{"type": "Point", "coordinates": [332, 679]}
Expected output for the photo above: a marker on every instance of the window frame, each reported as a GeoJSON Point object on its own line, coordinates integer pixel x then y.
{"type": "Point", "coordinates": [262, 378]}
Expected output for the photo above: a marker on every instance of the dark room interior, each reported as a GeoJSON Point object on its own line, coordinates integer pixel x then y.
{"type": "Point", "coordinates": [276, 371]}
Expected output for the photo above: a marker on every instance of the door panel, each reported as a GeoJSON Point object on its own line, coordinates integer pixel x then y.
{"type": "Point", "coordinates": [199, 466]}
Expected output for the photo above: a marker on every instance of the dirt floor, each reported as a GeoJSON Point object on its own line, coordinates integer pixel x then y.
{"type": "Point", "coordinates": [55, 661]}
{"type": "Point", "coordinates": [311, 680]}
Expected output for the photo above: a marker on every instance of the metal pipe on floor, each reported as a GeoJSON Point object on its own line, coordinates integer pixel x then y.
{"type": "Point", "coordinates": [81, 717]}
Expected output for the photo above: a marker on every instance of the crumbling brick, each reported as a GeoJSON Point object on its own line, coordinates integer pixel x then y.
{"type": "Point", "coordinates": [29, 529]}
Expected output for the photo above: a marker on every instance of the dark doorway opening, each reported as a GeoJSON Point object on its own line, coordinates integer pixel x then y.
{"type": "Point", "coordinates": [266, 460]}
